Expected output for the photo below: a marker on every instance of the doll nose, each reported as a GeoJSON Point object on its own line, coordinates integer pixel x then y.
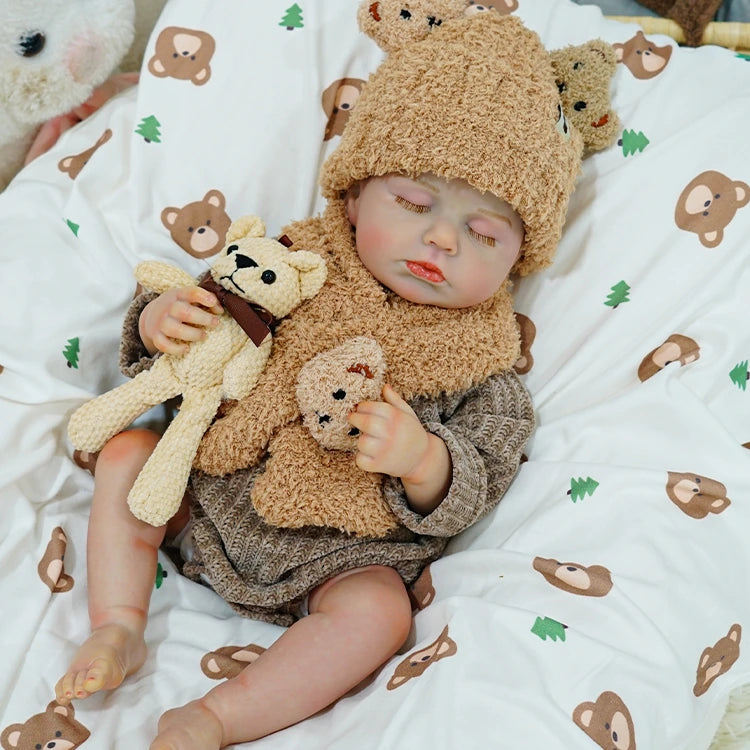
{"type": "Point", "coordinates": [442, 234]}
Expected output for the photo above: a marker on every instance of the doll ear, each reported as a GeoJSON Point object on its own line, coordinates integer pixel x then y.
{"type": "Point", "coordinates": [312, 271]}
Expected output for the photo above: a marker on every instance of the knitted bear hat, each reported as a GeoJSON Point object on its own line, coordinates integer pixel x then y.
{"type": "Point", "coordinates": [476, 99]}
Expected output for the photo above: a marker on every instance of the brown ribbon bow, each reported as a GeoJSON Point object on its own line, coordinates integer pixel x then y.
{"type": "Point", "coordinates": [254, 320]}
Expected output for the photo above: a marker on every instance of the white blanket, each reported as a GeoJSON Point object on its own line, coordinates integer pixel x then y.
{"type": "Point", "coordinates": [614, 572]}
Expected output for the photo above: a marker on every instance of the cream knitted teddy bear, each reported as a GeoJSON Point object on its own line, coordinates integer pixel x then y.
{"type": "Point", "coordinates": [225, 365]}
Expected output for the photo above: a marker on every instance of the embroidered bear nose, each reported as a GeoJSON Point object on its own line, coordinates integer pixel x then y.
{"type": "Point", "coordinates": [268, 277]}
{"type": "Point", "coordinates": [339, 394]}
{"type": "Point", "coordinates": [243, 261]}
{"type": "Point", "coordinates": [323, 418]}
{"type": "Point", "coordinates": [31, 44]}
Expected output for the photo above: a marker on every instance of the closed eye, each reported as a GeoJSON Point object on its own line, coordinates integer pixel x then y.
{"type": "Point", "coordinates": [483, 238]}
{"type": "Point", "coordinates": [409, 206]}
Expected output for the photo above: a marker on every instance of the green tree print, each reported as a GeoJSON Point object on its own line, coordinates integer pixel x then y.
{"type": "Point", "coordinates": [739, 375]}
{"type": "Point", "coordinates": [632, 142]}
{"type": "Point", "coordinates": [618, 295]}
{"type": "Point", "coordinates": [548, 628]}
{"type": "Point", "coordinates": [71, 351]}
{"type": "Point", "coordinates": [161, 574]}
{"type": "Point", "coordinates": [581, 487]}
{"type": "Point", "coordinates": [292, 18]}
{"type": "Point", "coordinates": [149, 129]}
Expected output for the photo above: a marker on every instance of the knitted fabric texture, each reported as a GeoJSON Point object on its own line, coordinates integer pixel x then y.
{"type": "Point", "coordinates": [226, 364]}
{"type": "Point", "coordinates": [476, 100]}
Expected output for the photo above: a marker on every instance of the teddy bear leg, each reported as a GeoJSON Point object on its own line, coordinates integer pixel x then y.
{"type": "Point", "coordinates": [96, 421]}
{"type": "Point", "coordinates": [159, 488]}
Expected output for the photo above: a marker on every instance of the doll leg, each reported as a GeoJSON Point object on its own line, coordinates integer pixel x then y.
{"type": "Point", "coordinates": [121, 567]}
{"type": "Point", "coordinates": [357, 622]}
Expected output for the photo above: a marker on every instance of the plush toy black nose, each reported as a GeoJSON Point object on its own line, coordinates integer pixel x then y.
{"type": "Point", "coordinates": [243, 261]}
{"type": "Point", "coordinates": [31, 44]}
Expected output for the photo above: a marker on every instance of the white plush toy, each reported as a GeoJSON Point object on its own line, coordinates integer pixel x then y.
{"type": "Point", "coordinates": [53, 55]}
{"type": "Point", "coordinates": [226, 364]}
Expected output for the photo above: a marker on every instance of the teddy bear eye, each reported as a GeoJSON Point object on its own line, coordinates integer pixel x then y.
{"type": "Point", "coordinates": [339, 394]}
{"type": "Point", "coordinates": [406, 15]}
{"type": "Point", "coordinates": [31, 44]}
{"type": "Point", "coordinates": [268, 277]}
{"type": "Point", "coordinates": [232, 249]}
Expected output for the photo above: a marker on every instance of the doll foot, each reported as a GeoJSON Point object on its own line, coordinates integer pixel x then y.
{"type": "Point", "coordinates": [107, 657]}
{"type": "Point", "coordinates": [190, 727]}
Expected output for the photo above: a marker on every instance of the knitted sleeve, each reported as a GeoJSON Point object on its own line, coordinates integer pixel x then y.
{"type": "Point", "coordinates": [485, 430]}
{"type": "Point", "coordinates": [134, 356]}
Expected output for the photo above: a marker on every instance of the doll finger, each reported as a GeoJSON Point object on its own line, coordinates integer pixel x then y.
{"type": "Point", "coordinates": [167, 345]}
{"type": "Point", "coordinates": [392, 397]}
{"type": "Point", "coordinates": [197, 296]}
{"type": "Point", "coordinates": [365, 462]}
{"type": "Point", "coordinates": [368, 424]}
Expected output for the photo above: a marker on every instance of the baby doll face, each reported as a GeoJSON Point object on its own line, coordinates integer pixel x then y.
{"type": "Point", "coordinates": [434, 241]}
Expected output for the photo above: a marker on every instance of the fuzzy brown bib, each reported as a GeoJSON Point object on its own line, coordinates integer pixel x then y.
{"type": "Point", "coordinates": [429, 350]}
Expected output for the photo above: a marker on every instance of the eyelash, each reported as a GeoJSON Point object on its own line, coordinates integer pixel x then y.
{"type": "Point", "coordinates": [483, 238]}
{"type": "Point", "coordinates": [421, 209]}
{"type": "Point", "coordinates": [416, 207]}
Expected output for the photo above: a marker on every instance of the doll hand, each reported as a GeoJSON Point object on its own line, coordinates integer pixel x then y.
{"type": "Point", "coordinates": [54, 128]}
{"type": "Point", "coordinates": [178, 316]}
{"type": "Point", "coordinates": [392, 440]}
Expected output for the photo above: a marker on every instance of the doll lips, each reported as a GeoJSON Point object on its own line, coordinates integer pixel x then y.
{"type": "Point", "coordinates": [425, 271]}
{"type": "Point", "coordinates": [600, 123]}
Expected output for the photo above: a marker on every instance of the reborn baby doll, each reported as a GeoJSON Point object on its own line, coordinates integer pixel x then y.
{"type": "Point", "coordinates": [455, 169]}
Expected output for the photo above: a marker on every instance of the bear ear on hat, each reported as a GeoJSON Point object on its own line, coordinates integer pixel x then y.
{"type": "Point", "coordinates": [393, 24]}
{"type": "Point", "coordinates": [583, 74]}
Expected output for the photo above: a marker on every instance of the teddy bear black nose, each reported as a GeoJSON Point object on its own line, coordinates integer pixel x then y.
{"type": "Point", "coordinates": [268, 277]}
{"type": "Point", "coordinates": [31, 44]}
{"type": "Point", "coordinates": [243, 261]}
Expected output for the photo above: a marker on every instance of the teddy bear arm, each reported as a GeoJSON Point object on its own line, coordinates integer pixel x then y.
{"type": "Point", "coordinates": [243, 370]}
{"type": "Point", "coordinates": [159, 277]}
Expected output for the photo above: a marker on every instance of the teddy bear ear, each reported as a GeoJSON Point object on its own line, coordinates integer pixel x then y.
{"type": "Point", "coordinates": [246, 226]}
{"type": "Point", "coordinates": [393, 24]}
{"type": "Point", "coordinates": [584, 74]}
{"type": "Point", "coordinates": [312, 271]}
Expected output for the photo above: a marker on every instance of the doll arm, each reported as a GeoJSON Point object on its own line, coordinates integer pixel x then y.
{"type": "Point", "coordinates": [485, 430]}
